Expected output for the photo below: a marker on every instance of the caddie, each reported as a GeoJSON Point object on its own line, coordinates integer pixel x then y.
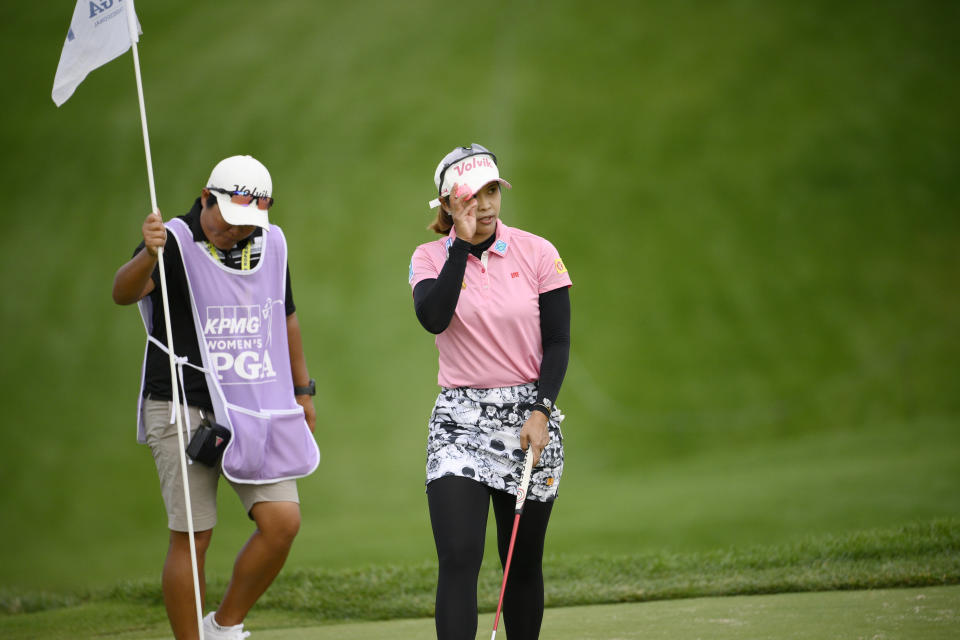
{"type": "Point", "coordinates": [241, 368]}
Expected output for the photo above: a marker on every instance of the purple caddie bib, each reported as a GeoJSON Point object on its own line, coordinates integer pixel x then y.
{"type": "Point", "coordinates": [240, 318]}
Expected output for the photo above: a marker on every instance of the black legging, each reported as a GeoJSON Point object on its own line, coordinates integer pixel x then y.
{"type": "Point", "coordinates": [458, 513]}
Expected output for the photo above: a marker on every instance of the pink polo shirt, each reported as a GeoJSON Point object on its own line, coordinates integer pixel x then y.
{"type": "Point", "coordinates": [494, 337]}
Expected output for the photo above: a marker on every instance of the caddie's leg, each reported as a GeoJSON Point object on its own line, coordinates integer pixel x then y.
{"type": "Point", "coordinates": [260, 560]}
{"type": "Point", "coordinates": [178, 596]}
{"type": "Point", "coordinates": [177, 580]}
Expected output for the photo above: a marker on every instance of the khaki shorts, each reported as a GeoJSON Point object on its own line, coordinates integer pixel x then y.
{"type": "Point", "coordinates": [163, 442]}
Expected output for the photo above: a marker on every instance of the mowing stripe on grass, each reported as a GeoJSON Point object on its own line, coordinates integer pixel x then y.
{"type": "Point", "coordinates": [889, 614]}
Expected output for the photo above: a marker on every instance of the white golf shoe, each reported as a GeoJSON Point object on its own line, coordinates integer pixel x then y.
{"type": "Point", "coordinates": [213, 631]}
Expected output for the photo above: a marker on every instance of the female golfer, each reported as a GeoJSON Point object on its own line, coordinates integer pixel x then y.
{"type": "Point", "coordinates": [496, 297]}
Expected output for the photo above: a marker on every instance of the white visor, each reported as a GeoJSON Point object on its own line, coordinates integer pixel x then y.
{"type": "Point", "coordinates": [470, 175]}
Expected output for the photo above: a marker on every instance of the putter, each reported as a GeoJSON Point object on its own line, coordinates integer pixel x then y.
{"type": "Point", "coordinates": [521, 498]}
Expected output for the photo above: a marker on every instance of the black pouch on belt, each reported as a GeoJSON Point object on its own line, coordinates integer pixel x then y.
{"type": "Point", "coordinates": [208, 442]}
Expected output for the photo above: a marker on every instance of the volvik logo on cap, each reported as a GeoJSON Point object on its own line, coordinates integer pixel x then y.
{"type": "Point", "coordinates": [252, 191]}
{"type": "Point", "coordinates": [242, 175]}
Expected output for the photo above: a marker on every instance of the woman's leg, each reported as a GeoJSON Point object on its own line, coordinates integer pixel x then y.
{"type": "Point", "coordinates": [458, 514]}
{"type": "Point", "coordinates": [523, 599]}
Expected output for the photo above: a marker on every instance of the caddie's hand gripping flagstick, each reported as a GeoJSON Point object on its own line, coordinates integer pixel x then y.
{"type": "Point", "coordinates": [521, 499]}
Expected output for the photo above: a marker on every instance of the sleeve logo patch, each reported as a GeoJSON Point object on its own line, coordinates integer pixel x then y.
{"type": "Point", "coordinates": [561, 268]}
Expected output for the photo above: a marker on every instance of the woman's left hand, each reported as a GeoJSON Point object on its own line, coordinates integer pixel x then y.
{"type": "Point", "coordinates": [535, 434]}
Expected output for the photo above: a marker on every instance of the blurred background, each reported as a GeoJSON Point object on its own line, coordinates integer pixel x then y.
{"type": "Point", "coordinates": [757, 203]}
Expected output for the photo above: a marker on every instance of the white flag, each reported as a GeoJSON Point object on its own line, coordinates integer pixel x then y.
{"type": "Point", "coordinates": [98, 34]}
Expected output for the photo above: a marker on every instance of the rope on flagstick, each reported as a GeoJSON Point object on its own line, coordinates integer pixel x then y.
{"type": "Point", "coordinates": [175, 392]}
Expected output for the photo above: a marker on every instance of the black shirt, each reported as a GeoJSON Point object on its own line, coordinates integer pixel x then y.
{"type": "Point", "coordinates": [157, 372]}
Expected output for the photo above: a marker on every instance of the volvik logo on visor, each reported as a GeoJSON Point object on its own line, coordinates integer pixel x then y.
{"type": "Point", "coordinates": [475, 162]}
{"type": "Point", "coordinates": [470, 168]}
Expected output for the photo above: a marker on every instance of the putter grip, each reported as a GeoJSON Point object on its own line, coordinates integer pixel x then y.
{"type": "Point", "coordinates": [525, 479]}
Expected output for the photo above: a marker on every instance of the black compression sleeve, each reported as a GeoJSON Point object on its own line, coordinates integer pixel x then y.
{"type": "Point", "coordinates": [555, 337]}
{"type": "Point", "coordinates": [435, 300]}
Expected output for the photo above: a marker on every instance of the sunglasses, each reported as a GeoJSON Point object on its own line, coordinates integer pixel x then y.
{"type": "Point", "coordinates": [245, 198]}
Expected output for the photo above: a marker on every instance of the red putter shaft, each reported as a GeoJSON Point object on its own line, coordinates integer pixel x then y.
{"type": "Point", "coordinates": [521, 499]}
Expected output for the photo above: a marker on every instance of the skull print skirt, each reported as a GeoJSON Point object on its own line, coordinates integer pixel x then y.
{"type": "Point", "coordinates": [475, 433]}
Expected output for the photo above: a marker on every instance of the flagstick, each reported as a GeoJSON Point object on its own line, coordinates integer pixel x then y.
{"type": "Point", "coordinates": [131, 24]}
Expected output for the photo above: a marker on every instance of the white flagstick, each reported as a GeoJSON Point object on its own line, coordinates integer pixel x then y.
{"type": "Point", "coordinates": [521, 498]}
{"type": "Point", "coordinates": [131, 24]}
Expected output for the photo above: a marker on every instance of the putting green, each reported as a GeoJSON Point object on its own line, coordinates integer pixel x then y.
{"type": "Point", "coordinates": [887, 614]}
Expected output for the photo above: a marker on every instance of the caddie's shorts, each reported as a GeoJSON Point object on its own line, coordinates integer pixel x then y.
{"type": "Point", "coordinates": [475, 433]}
{"type": "Point", "coordinates": [163, 441]}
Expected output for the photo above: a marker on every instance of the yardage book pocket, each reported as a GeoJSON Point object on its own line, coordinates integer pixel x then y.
{"type": "Point", "coordinates": [269, 446]}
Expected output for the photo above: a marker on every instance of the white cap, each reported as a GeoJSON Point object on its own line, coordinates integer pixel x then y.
{"type": "Point", "coordinates": [244, 174]}
{"type": "Point", "coordinates": [471, 168]}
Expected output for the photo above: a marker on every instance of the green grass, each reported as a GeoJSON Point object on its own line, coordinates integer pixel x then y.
{"type": "Point", "coordinates": [756, 202]}
{"type": "Point", "coordinates": [820, 483]}
{"type": "Point", "coordinates": [921, 555]}
{"type": "Point", "coordinates": [902, 614]}
{"type": "Point", "coordinates": [929, 613]}
{"type": "Point", "coordinates": [908, 614]}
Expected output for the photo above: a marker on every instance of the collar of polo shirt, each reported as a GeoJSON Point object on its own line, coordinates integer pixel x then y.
{"type": "Point", "coordinates": [499, 246]}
